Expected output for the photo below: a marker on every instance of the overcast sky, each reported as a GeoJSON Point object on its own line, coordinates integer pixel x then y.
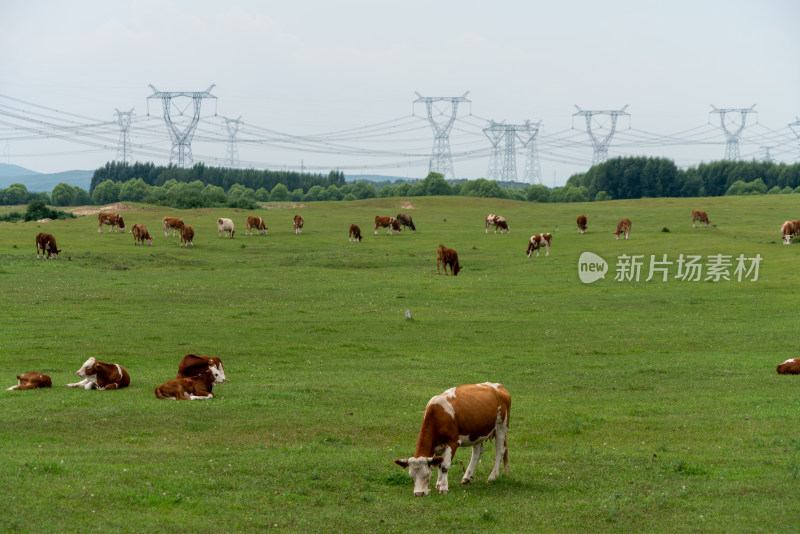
{"type": "Point", "coordinates": [310, 67]}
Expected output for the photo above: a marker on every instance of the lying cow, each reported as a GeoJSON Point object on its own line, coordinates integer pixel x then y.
{"type": "Point", "coordinates": [195, 364]}
{"type": "Point", "coordinates": [187, 236]}
{"type": "Point", "coordinates": [191, 388]}
{"type": "Point", "coordinates": [498, 222]}
{"type": "Point", "coordinates": [582, 224]}
{"type": "Point", "coordinates": [387, 222]}
{"type": "Point", "coordinates": [789, 367]}
{"type": "Point", "coordinates": [447, 256]}
{"type": "Point", "coordinates": [355, 233]}
{"type": "Point", "coordinates": [114, 220]}
{"type": "Point", "coordinates": [140, 235]}
{"type": "Point", "coordinates": [538, 241]}
{"type": "Point", "coordinates": [32, 381]}
{"type": "Point", "coordinates": [465, 415]}
{"type": "Point", "coordinates": [405, 220]}
{"type": "Point", "coordinates": [101, 375]}
{"type": "Point", "coordinates": [172, 223]}
{"type": "Point", "coordinates": [257, 224]}
{"type": "Point", "coordinates": [225, 226]}
{"type": "Point", "coordinates": [623, 227]}
{"type": "Point", "coordinates": [46, 243]}
{"type": "Point", "coordinates": [789, 229]}
{"type": "Point", "coordinates": [699, 215]}
{"type": "Point", "coordinates": [298, 224]}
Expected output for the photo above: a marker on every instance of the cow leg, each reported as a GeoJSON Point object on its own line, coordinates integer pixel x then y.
{"type": "Point", "coordinates": [80, 384]}
{"type": "Point", "coordinates": [444, 468]}
{"type": "Point", "coordinates": [501, 451]}
{"type": "Point", "coordinates": [547, 253]}
{"type": "Point", "coordinates": [477, 451]}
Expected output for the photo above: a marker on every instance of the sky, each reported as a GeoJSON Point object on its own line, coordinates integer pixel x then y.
{"type": "Point", "coordinates": [319, 85]}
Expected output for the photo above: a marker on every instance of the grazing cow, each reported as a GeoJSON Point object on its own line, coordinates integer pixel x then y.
{"type": "Point", "coordinates": [225, 226]}
{"type": "Point", "coordinates": [257, 224]}
{"type": "Point", "coordinates": [46, 243]}
{"type": "Point", "coordinates": [447, 256]}
{"type": "Point", "coordinates": [699, 215]}
{"type": "Point", "coordinates": [140, 235]}
{"type": "Point", "coordinates": [187, 236]}
{"type": "Point", "coordinates": [173, 223]}
{"type": "Point", "coordinates": [789, 229]}
{"type": "Point", "coordinates": [298, 224]}
{"type": "Point", "coordinates": [114, 220]}
{"type": "Point", "coordinates": [195, 364]}
{"type": "Point", "coordinates": [538, 241]}
{"type": "Point", "coordinates": [355, 233]}
{"type": "Point", "coordinates": [789, 367]}
{"type": "Point", "coordinates": [466, 415]}
{"type": "Point", "coordinates": [387, 222]}
{"type": "Point", "coordinates": [624, 226]}
{"type": "Point", "coordinates": [32, 381]}
{"type": "Point", "coordinates": [582, 224]}
{"type": "Point", "coordinates": [405, 220]}
{"type": "Point", "coordinates": [190, 388]}
{"type": "Point", "coordinates": [498, 222]}
{"type": "Point", "coordinates": [100, 376]}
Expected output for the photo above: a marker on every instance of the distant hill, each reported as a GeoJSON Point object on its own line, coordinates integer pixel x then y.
{"type": "Point", "coordinates": [35, 182]}
{"type": "Point", "coordinates": [377, 178]}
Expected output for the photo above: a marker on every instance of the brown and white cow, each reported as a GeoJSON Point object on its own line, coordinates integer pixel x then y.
{"type": "Point", "coordinates": [498, 222]}
{"type": "Point", "coordinates": [140, 235]}
{"type": "Point", "coordinates": [187, 236]}
{"type": "Point", "coordinates": [172, 223]}
{"type": "Point", "coordinates": [447, 256]}
{"type": "Point", "coordinates": [405, 220]}
{"type": "Point", "coordinates": [114, 220]}
{"type": "Point", "coordinates": [298, 224]}
{"type": "Point", "coordinates": [789, 229]}
{"type": "Point", "coordinates": [225, 226]}
{"type": "Point", "coordinates": [32, 381]}
{"type": "Point", "coordinates": [46, 243]}
{"type": "Point", "coordinates": [101, 375]}
{"type": "Point", "coordinates": [699, 215]}
{"type": "Point", "coordinates": [538, 241]}
{"type": "Point", "coordinates": [194, 364]}
{"type": "Point", "coordinates": [582, 224]}
{"type": "Point", "coordinates": [387, 222]}
{"type": "Point", "coordinates": [257, 224]}
{"type": "Point", "coordinates": [623, 227]}
{"type": "Point", "coordinates": [789, 367]}
{"type": "Point", "coordinates": [355, 233]}
{"type": "Point", "coordinates": [191, 388]}
{"type": "Point", "coordinates": [466, 415]}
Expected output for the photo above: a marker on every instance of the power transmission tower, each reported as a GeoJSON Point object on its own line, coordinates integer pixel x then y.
{"type": "Point", "coordinates": [795, 126]}
{"type": "Point", "coordinates": [533, 172]}
{"type": "Point", "coordinates": [732, 136]}
{"type": "Point", "coordinates": [124, 146]}
{"type": "Point", "coordinates": [495, 132]}
{"type": "Point", "coordinates": [181, 137]}
{"type": "Point", "coordinates": [767, 155]}
{"type": "Point", "coordinates": [232, 157]}
{"type": "Point", "coordinates": [600, 145]}
{"type": "Point", "coordinates": [442, 123]}
{"type": "Point", "coordinates": [511, 133]}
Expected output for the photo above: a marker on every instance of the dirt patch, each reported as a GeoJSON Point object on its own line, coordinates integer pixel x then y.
{"type": "Point", "coordinates": [45, 220]}
{"type": "Point", "coordinates": [282, 206]}
{"type": "Point", "coordinates": [407, 206]}
{"type": "Point", "coordinates": [90, 210]}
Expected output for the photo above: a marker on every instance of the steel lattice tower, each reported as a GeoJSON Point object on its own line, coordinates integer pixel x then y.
{"type": "Point", "coordinates": [495, 132]}
{"type": "Point", "coordinates": [124, 147]}
{"type": "Point", "coordinates": [441, 159]}
{"type": "Point", "coordinates": [533, 172]}
{"type": "Point", "coordinates": [732, 136]}
{"type": "Point", "coordinates": [601, 145]}
{"type": "Point", "coordinates": [181, 138]}
{"type": "Point", "coordinates": [232, 157]}
{"type": "Point", "coordinates": [795, 126]}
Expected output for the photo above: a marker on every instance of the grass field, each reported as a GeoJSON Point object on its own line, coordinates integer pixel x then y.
{"type": "Point", "coordinates": [636, 406]}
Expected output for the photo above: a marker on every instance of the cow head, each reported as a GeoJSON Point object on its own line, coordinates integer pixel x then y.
{"type": "Point", "coordinates": [217, 371]}
{"type": "Point", "coordinates": [88, 368]}
{"type": "Point", "coordinates": [455, 268]}
{"type": "Point", "coordinates": [121, 223]}
{"type": "Point", "coordinates": [419, 469]}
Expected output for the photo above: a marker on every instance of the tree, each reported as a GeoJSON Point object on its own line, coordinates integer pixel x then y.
{"type": "Point", "coordinates": [279, 193]}
{"type": "Point", "coordinates": [537, 193]}
{"type": "Point", "coordinates": [106, 192]}
{"type": "Point", "coordinates": [63, 195]}
{"type": "Point", "coordinates": [15, 194]}
{"type": "Point", "coordinates": [134, 190]}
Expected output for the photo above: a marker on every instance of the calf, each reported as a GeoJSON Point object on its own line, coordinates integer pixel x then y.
{"type": "Point", "coordinates": [789, 367]}
{"type": "Point", "coordinates": [46, 243]}
{"type": "Point", "coordinates": [298, 224]}
{"type": "Point", "coordinates": [114, 220]}
{"type": "Point", "coordinates": [387, 222]}
{"type": "Point", "coordinates": [140, 235]}
{"type": "Point", "coordinates": [405, 220]}
{"type": "Point", "coordinates": [257, 224]}
{"type": "Point", "coordinates": [355, 233]}
{"type": "Point", "coordinates": [194, 364]}
{"type": "Point", "coordinates": [582, 224]}
{"type": "Point", "coordinates": [187, 236]}
{"type": "Point", "coordinates": [538, 241]}
{"type": "Point", "coordinates": [699, 215]}
{"type": "Point", "coordinates": [624, 226]}
{"type": "Point", "coordinates": [789, 229]}
{"type": "Point", "coordinates": [100, 376]}
{"type": "Point", "coordinates": [498, 222]}
{"type": "Point", "coordinates": [191, 388]}
{"type": "Point", "coordinates": [172, 223]}
{"type": "Point", "coordinates": [466, 415]}
{"type": "Point", "coordinates": [225, 226]}
{"type": "Point", "coordinates": [447, 256]}
{"type": "Point", "coordinates": [32, 381]}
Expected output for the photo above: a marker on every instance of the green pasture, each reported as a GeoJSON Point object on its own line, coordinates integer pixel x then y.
{"type": "Point", "coordinates": [637, 406]}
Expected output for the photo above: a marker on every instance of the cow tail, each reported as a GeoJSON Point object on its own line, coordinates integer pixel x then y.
{"type": "Point", "coordinates": [159, 394]}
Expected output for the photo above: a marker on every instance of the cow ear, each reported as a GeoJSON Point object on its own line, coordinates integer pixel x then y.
{"type": "Point", "coordinates": [402, 463]}
{"type": "Point", "coordinates": [436, 460]}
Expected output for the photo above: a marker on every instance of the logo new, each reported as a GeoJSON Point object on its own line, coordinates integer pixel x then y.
{"type": "Point", "coordinates": [591, 267]}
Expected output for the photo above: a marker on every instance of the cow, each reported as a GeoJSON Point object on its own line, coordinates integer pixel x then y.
{"type": "Point", "coordinates": [114, 220]}
{"type": "Point", "coordinates": [405, 220]}
{"type": "Point", "coordinates": [257, 224]}
{"type": "Point", "coordinates": [46, 243]}
{"type": "Point", "coordinates": [699, 215]}
{"type": "Point", "coordinates": [187, 236]}
{"type": "Point", "coordinates": [447, 256]}
{"type": "Point", "coordinates": [582, 224]}
{"type": "Point", "coordinates": [172, 223]}
{"type": "Point", "coordinates": [32, 381]}
{"type": "Point", "coordinates": [789, 367]}
{"type": "Point", "coordinates": [789, 229]}
{"type": "Point", "coordinates": [624, 226]}
{"type": "Point", "coordinates": [225, 226]}
{"type": "Point", "coordinates": [355, 233]}
{"type": "Point", "coordinates": [298, 224]}
{"type": "Point", "coordinates": [140, 235]}
{"type": "Point", "coordinates": [466, 415]}
{"type": "Point", "coordinates": [190, 388]}
{"type": "Point", "coordinates": [101, 376]}
{"type": "Point", "coordinates": [194, 364]}
{"type": "Point", "coordinates": [498, 222]}
{"type": "Point", "coordinates": [387, 222]}
{"type": "Point", "coordinates": [538, 241]}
